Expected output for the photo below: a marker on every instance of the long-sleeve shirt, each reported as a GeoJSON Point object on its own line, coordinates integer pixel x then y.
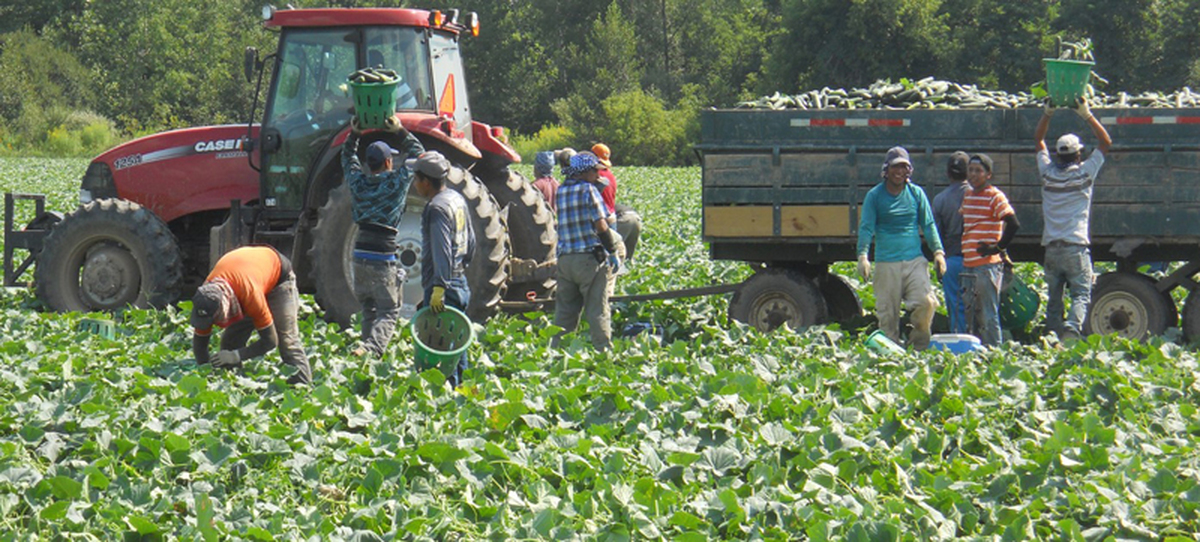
{"type": "Point", "coordinates": [378, 199]}
{"type": "Point", "coordinates": [896, 223]}
{"type": "Point", "coordinates": [447, 239]}
{"type": "Point", "coordinates": [946, 213]}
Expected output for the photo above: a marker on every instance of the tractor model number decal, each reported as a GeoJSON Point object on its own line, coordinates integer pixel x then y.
{"type": "Point", "coordinates": [127, 161]}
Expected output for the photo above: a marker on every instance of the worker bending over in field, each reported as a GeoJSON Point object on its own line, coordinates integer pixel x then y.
{"type": "Point", "coordinates": [544, 181]}
{"type": "Point", "coordinates": [250, 288]}
{"type": "Point", "coordinates": [947, 213]}
{"type": "Point", "coordinates": [585, 241]}
{"type": "Point", "coordinates": [894, 215]}
{"type": "Point", "coordinates": [447, 241]}
{"type": "Point", "coordinates": [377, 199]}
{"type": "Point", "coordinates": [989, 224]}
{"type": "Point", "coordinates": [1067, 182]}
{"type": "Point", "coordinates": [627, 221]}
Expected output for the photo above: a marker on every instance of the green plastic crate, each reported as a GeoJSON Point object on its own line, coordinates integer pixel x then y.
{"type": "Point", "coordinates": [374, 103]}
{"type": "Point", "coordinates": [1067, 80]}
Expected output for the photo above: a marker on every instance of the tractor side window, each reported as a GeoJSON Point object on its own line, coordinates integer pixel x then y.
{"type": "Point", "coordinates": [406, 51]}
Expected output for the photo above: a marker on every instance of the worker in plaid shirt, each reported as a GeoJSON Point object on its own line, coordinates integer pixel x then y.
{"type": "Point", "coordinates": [584, 243]}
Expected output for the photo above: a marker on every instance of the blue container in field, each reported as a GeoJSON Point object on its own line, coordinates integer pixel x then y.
{"type": "Point", "coordinates": [955, 343]}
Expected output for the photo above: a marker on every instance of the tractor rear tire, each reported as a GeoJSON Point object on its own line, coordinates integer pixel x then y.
{"type": "Point", "coordinates": [773, 297]}
{"type": "Point", "coordinates": [106, 255]}
{"type": "Point", "coordinates": [531, 225]}
{"type": "Point", "coordinates": [333, 244]}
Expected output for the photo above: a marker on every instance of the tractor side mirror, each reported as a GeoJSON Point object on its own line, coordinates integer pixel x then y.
{"type": "Point", "coordinates": [250, 63]}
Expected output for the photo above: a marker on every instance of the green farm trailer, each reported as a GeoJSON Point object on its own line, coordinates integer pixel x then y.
{"type": "Point", "coordinates": [781, 190]}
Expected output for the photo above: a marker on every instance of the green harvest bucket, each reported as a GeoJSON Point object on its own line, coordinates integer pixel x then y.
{"type": "Point", "coordinates": [374, 103]}
{"type": "Point", "coordinates": [440, 338]}
{"type": "Point", "coordinates": [1018, 304]}
{"type": "Point", "coordinates": [881, 344]}
{"type": "Point", "coordinates": [1067, 80]}
{"type": "Point", "coordinates": [99, 326]}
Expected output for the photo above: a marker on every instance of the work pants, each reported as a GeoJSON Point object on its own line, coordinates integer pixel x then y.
{"type": "Point", "coordinates": [378, 286]}
{"type": "Point", "coordinates": [583, 287]}
{"type": "Point", "coordinates": [905, 283]}
{"type": "Point", "coordinates": [981, 294]}
{"type": "Point", "coordinates": [284, 303]}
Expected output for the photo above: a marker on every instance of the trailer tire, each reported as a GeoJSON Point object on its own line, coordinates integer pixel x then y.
{"type": "Point", "coordinates": [531, 228]}
{"type": "Point", "coordinates": [1129, 305]}
{"type": "Point", "coordinates": [333, 243]}
{"type": "Point", "coordinates": [773, 297]}
{"type": "Point", "coordinates": [841, 301]}
{"type": "Point", "coordinates": [106, 255]}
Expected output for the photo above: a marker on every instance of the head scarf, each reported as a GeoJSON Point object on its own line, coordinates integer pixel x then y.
{"type": "Point", "coordinates": [543, 164]}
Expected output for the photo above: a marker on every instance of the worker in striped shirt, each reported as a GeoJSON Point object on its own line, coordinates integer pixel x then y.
{"type": "Point", "coordinates": [989, 225]}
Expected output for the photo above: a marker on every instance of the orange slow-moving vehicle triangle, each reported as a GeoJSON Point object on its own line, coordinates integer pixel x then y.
{"type": "Point", "coordinates": [446, 104]}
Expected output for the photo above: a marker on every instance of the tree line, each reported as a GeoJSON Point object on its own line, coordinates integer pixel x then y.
{"type": "Point", "coordinates": [77, 76]}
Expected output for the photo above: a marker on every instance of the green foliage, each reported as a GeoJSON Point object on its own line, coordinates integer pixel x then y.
{"type": "Point", "coordinates": [640, 130]}
{"type": "Point", "coordinates": [548, 138]}
{"type": "Point", "coordinates": [718, 432]}
{"type": "Point", "coordinates": [40, 84]}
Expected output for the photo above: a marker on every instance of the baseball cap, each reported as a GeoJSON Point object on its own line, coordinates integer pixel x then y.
{"type": "Point", "coordinates": [896, 155]}
{"type": "Point", "coordinates": [205, 305]}
{"type": "Point", "coordinates": [603, 154]}
{"type": "Point", "coordinates": [983, 160]}
{"type": "Point", "coordinates": [1068, 144]}
{"type": "Point", "coordinates": [431, 164]}
{"type": "Point", "coordinates": [957, 167]}
{"type": "Point", "coordinates": [378, 153]}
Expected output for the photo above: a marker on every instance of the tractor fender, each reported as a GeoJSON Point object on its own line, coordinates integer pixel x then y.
{"type": "Point", "coordinates": [487, 141]}
{"type": "Point", "coordinates": [427, 125]}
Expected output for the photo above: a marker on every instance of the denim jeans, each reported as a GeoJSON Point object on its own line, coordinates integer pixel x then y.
{"type": "Point", "coordinates": [953, 291]}
{"type": "Point", "coordinates": [1068, 267]}
{"type": "Point", "coordinates": [457, 295]}
{"type": "Point", "coordinates": [981, 300]}
{"type": "Point", "coordinates": [284, 302]}
{"type": "Point", "coordinates": [378, 286]}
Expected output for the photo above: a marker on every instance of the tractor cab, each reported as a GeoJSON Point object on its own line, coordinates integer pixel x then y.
{"type": "Point", "coordinates": [309, 103]}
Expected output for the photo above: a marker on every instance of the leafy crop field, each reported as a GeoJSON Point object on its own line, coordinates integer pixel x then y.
{"type": "Point", "coordinates": [714, 432]}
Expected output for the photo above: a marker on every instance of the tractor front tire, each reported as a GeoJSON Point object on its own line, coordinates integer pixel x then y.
{"type": "Point", "coordinates": [106, 255]}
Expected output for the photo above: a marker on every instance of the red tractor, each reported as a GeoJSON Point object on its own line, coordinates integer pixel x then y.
{"type": "Point", "coordinates": [156, 212]}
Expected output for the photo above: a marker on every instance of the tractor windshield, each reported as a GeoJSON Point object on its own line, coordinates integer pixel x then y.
{"type": "Point", "coordinates": [407, 51]}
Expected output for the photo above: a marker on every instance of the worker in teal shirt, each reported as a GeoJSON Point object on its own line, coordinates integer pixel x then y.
{"type": "Point", "coordinates": [895, 214]}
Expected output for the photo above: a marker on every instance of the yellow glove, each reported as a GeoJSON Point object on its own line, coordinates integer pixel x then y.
{"type": "Point", "coordinates": [437, 301]}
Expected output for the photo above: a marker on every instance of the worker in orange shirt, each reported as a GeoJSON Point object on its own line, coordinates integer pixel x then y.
{"type": "Point", "coordinates": [250, 288]}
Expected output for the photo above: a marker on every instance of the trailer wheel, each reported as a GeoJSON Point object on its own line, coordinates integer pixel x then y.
{"type": "Point", "coordinates": [773, 297]}
{"type": "Point", "coordinates": [1129, 305]}
{"type": "Point", "coordinates": [333, 243]}
{"type": "Point", "coordinates": [106, 255]}
{"type": "Point", "coordinates": [840, 299]}
{"type": "Point", "coordinates": [530, 225]}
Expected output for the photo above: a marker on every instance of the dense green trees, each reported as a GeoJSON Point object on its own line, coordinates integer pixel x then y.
{"type": "Point", "coordinates": [576, 70]}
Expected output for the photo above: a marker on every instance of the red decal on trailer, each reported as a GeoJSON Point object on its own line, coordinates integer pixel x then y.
{"type": "Point", "coordinates": [1189, 120]}
{"type": "Point", "coordinates": [827, 122]}
{"type": "Point", "coordinates": [888, 122]}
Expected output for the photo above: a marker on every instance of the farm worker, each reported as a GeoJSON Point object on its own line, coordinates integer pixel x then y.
{"type": "Point", "coordinates": [585, 241]}
{"type": "Point", "coordinates": [543, 170]}
{"type": "Point", "coordinates": [447, 240]}
{"type": "Point", "coordinates": [895, 214]}
{"type": "Point", "coordinates": [377, 199]}
{"type": "Point", "coordinates": [250, 288]}
{"type": "Point", "coordinates": [1066, 204]}
{"type": "Point", "coordinates": [947, 206]}
{"type": "Point", "coordinates": [989, 225]}
{"type": "Point", "coordinates": [563, 158]}
{"type": "Point", "coordinates": [627, 220]}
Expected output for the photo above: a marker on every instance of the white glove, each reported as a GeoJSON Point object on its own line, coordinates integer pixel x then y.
{"type": "Point", "coordinates": [1048, 107]}
{"type": "Point", "coordinates": [227, 359]}
{"type": "Point", "coordinates": [939, 261]}
{"type": "Point", "coordinates": [1081, 108]}
{"type": "Point", "coordinates": [864, 267]}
